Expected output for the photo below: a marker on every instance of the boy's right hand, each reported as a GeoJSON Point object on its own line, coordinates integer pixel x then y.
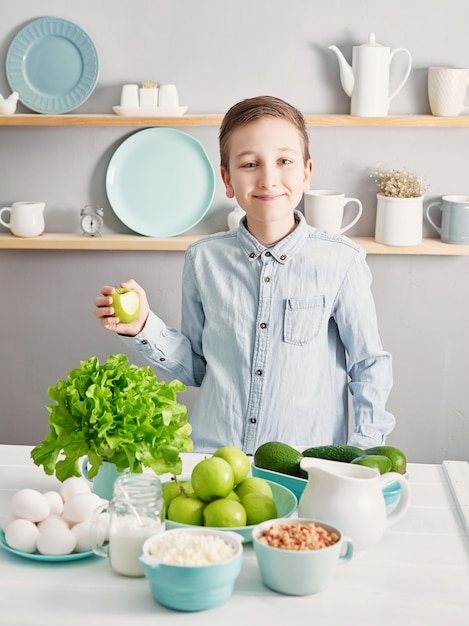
{"type": "Point", "coordinates": [104, 311]}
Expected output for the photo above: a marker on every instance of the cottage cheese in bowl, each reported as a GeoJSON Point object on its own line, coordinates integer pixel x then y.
{"type": "Point", "coordinates": [192, 568]}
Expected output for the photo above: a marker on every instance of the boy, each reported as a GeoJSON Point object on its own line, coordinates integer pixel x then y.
{"type": "Point", "coordinates": [278, 320]}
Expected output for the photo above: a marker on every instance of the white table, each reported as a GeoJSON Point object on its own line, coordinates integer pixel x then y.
{"type": "Point", "coordinates": [418, 575]}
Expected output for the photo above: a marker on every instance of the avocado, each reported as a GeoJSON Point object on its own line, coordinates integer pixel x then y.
{"type": "Point", "coordinates": [278, 457]}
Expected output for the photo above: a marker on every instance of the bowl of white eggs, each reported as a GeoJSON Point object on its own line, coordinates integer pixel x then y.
{"type": "Point", "coordinates": [52, 525]}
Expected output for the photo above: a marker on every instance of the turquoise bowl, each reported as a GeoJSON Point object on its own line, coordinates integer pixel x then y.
{"type": "Point", "coordinates": [391, 492]}
{"type": "Point", "coordinates": [294, 484]}
{"type": "Point", "coordinates": [285, 501]}
{"type": "Point", "coordinates": [192, 587]}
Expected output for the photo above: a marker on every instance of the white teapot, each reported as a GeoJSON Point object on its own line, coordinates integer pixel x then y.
{"type": "Point", "coordinates": [350, 497]}
{"type": "Point", "coordinates": [367, 79]}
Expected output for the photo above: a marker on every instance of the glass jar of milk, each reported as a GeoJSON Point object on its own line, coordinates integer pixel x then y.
{"type": "Point", "coordinates": [119, 528]}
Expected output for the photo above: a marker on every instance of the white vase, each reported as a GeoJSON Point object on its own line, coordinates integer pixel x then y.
{"type": "Point", "coordinates": [399, 221]}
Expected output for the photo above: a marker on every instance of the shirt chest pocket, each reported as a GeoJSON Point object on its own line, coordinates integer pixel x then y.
{"type": "Point", "coordinates": [303, 319]}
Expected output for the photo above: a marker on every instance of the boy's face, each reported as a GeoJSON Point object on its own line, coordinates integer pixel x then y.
{"type": "Point", "coordinates": [267, 172]}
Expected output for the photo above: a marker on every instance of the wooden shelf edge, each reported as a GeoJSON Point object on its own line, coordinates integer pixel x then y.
{"type": "Point", "coordinates": [109, 242]}
{"type": "Point", "coordinates": [214, 119]}
{"type": "Point", "coordinates": [59, 241]}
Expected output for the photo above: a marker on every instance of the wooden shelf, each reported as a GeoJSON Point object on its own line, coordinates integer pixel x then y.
{"type": "Point", "coordinates": [416, 121]}
{"type": "Point", "coordinates": [59, 241]}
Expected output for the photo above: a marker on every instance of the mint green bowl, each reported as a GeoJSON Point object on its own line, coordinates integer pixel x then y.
{"type": "Point", "coordinates": [285, 501]}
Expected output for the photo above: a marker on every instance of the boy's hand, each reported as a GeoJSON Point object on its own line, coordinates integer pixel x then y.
{"type": "Point", "coordinates": [104, 311]}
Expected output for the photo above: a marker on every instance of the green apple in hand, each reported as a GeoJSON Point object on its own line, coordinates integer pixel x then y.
{"type": "Point", "coordinates": [224, 513]}
{"type": "Point", "coordinates": [126, 304]}
{"type": "Point", "coordinates": [237, 459]}
{"type": "Point", "coordinates": [212, 478]}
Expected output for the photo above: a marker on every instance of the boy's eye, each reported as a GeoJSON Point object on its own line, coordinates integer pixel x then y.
{"type": "Point", "coordinates": [285, 161]}
{"type": "Point", "coordinates": [250, 164]}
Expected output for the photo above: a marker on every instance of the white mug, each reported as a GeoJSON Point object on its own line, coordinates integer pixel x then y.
{"type": "Point", "coordinates": [168, 96]}
{"type": "Point", "coordinates": [447, 89]}
{"type": "Point", "coordinates": [26, 218]}
{"type": "Point", "coordinates": [325, 209]}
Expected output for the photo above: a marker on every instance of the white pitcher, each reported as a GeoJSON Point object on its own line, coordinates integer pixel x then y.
{"type": "Point", "coordinates": [350, 497]}
{"type": "Point", "coordinates": [366, 81]}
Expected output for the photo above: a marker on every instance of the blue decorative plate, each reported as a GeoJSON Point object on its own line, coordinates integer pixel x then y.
{"type": "Point", "coordinates": [160, 182]}
{"type": "Point", "coordinates": [35, 556]}
{"type": "Point", "coordinates": [53, 65]}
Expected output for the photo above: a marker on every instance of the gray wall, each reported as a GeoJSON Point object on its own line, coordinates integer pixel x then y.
{"type": "Point", "coordinates": [218, 52]}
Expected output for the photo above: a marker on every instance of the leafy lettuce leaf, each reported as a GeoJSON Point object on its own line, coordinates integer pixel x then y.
{"type": "Point", "coordinates": [116, 412]}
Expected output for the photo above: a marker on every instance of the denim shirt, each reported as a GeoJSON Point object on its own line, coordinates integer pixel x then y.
{"type": "Point", "coordinates": [275, 337]}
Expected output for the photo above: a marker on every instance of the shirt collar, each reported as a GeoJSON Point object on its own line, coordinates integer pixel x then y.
{"type": "Point", "coordinates": [282, 250]}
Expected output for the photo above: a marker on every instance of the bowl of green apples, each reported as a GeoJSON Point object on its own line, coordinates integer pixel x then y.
{"type": "Point", "coordinates": [221, 494]}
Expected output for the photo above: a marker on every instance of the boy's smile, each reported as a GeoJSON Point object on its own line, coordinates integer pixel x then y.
{"type": "Point", "coordinates": [267, 174]}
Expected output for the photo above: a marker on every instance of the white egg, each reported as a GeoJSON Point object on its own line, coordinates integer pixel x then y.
{"type": "Point", "coordinates": [72, 486]}
{"type": "Point", "coordinates": [55, 501]}
{"type": "Point", "coordinates": [30, 504]}
{"type": "Point", "coordinates": [79, 508]}
{"type": "Point", "coordinates": [83, 532]}
{"type": "Point", "coordinates": [56, 541]}
{"type": "Point", "coordinates": [22, 534]}
{"type": "Point", "coordinates": [53, 521]}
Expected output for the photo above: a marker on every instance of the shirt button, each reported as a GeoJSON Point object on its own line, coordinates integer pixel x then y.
{"type": "Point", "coordinates": [259, 372]}
{"type": "Point", "coordinates": [263, 325]}
{"type": "Point", "coordinates": [268, 253]}
{"type": "Point", "coordinates": [283, 257]}
{"type": "Point", "coordinates": [252, 255]}
{"type": "Point", "coordinates": [253, 420]}
{"type": "Point", "coordinates": [144, 342]}
{"type": "Point", "coordinates": [162, 358]}
{"type": "Point", "coordinates": [267, 279]}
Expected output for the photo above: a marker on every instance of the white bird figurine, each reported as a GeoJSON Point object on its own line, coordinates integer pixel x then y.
{"type": "Point", "coordinates": [8, 105]}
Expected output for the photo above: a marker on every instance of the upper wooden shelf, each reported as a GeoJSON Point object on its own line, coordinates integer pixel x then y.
{"type": "Point", "coordinates": [59, 241]}
{"type": "Point", "coordinates": [37, 119]}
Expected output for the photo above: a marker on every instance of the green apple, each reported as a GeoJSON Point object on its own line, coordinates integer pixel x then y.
{"type": "Point", "coordinates": [258, 507]}
{"type": "Point", "coordinates": [175, 488]}
{"type": "Point", "coordinates": [237, 459]}
{"type": "Point", "coordinates": [126, 304]}
{"type": "Point", "coordinates": [225, 513]}
{"type": "Point", "coordinates": [253, 484]}
{"type": "Point", "coordinates": [233, 496]}
{"type": "Point", "coordinates": [186, 510]}
{"type": "Point", "coordinates": [212, 478]}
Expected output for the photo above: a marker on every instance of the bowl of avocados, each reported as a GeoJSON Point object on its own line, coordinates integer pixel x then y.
{"type": "Point", "coordinates": [279, 462]}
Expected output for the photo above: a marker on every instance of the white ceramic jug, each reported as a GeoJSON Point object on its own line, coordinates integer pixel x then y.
{"type": "Point", "coordinates": [350, 497]}
{"type": "Point", "coordinates": [367, 79]}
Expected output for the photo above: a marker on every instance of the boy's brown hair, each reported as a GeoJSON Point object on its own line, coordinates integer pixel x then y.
{"type": "Point", "coordinates": [256, 108]}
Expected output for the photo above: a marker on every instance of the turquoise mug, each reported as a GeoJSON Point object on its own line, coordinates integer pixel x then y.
{"type": "Point", "coordinates": [103, 482]}
{"type": "Point", "coordinates": [454, 218]}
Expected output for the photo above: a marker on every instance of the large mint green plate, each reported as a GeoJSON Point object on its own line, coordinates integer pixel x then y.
{"type": "Point", "coordinates": [35, 556]}
{"type": "Point", "coordinates": [160, 182]}
{"type": "Point", "coordinates": [53, 65]}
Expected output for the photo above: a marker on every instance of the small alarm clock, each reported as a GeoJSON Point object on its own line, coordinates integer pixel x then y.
{"type": "Point", "coordinates": [91, 220]}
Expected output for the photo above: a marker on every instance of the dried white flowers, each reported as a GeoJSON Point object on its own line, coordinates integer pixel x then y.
{"type": "Point", "coordinates": [401, 183]}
